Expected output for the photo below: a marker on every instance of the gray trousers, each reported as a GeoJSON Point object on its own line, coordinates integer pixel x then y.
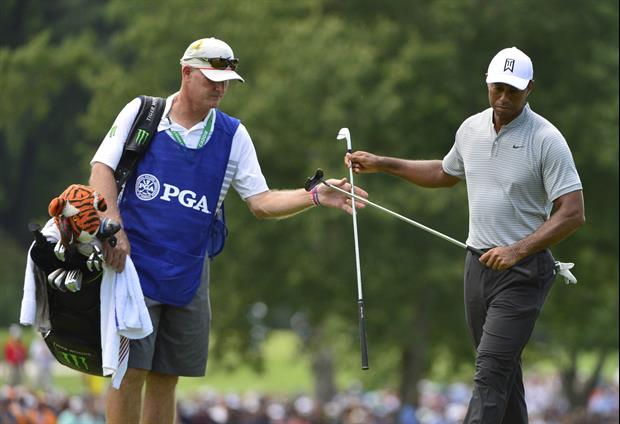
{"type": "Point", "coordinates": [501, 308]}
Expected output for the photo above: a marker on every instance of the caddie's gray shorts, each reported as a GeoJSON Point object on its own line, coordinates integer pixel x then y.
{"type": "Point", "coordinates": [179, 343]}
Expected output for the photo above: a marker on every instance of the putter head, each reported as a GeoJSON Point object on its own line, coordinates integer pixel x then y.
{"type": "Point", "coordinates": [315, 180]}
{"type": "Point", "coordinates": [344, 134]}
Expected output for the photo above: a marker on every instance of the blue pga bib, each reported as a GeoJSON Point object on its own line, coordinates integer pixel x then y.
{"type": "Point", "coordinates": [167, 208]}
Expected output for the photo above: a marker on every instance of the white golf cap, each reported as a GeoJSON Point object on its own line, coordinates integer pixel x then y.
{"type": "Point", "coordinates": [200, 51]}
{"type": "Point", "coordinates": [511, 66]}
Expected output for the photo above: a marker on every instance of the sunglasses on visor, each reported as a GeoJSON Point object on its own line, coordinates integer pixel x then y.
{"type": "Point", "coordinates": [221, 62]}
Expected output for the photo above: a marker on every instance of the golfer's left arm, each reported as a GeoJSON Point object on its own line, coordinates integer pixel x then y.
{"type": "Point", "coordinates": [567, 216]}
{"type": "Point", "coordinates": [285, 203]}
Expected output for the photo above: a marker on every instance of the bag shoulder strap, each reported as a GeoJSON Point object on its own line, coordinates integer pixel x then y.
{"type": "Point", "coordinates": [142, 132]}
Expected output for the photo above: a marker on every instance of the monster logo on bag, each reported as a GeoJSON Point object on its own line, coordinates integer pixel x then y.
{"type": "Point", "coordinates": [77, 356]}
{"type": "Point", "coordinates": [141, 136]}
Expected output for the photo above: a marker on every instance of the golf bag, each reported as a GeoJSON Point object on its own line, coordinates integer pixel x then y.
{"type": "Point", "coordinates": [74, 336]}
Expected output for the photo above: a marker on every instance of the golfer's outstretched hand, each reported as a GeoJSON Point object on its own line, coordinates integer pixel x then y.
{"type": "Point", "coordinates": [362, 162]}
{"type": "Point", "coordinates": [335, 199]}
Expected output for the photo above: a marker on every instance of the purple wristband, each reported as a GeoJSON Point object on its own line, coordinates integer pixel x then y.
{"type": "Point", "coordinates": [315, 196]}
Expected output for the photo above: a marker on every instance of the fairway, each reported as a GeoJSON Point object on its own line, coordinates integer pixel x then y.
{"type": "Point", "coordinates": [286, 371]}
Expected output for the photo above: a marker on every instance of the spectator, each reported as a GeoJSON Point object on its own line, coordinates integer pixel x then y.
{"type": "Point", "coordinates": [6, 415]}
{"type": "Point", "coordinates": [15, 355]}
{"type": "Point", "coordinates": [80, 411]}
{"type": "Point", "coordinates": [14, 410]}
{"type": "Point", "coordinates": [40, 413]}
{"type": "Point", "coordinates": [42, 359]}
{"type": "Point", "coordinates": [407, 415]}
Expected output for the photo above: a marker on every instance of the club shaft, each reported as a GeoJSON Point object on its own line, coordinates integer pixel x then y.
{"type": "Point", "coordinates": [360, 297]}
{"type": "Point", "coordinates": [519, 270]}
{"type": "Point", "coordinates": [356, 239]}
{"type": "Point", "coordinates": [397, 215]}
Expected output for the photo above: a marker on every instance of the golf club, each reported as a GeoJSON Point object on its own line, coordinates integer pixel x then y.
{"type": "Point", "coordinates": [344, 134]}
{"type": "Point", "coordinates": [318, 178]}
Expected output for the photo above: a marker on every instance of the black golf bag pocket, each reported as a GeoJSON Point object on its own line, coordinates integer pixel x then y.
{"type": "Point", "coordinates": [75, 335]}
{"type": "Point", "coordinates": [74, 352]}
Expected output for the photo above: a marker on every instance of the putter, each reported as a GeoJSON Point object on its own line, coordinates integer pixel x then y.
{"type": "Point", "coordinates": [317, 178]}
{"type": "Point", "coordinates": [344, 134]}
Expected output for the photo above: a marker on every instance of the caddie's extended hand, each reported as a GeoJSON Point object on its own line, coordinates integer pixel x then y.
{"type": "Point", "coordinates": [116, 256]}
{"type": "Point", "coordinates": [335, 199]}
{"type": "Point", "coordinates": [362, 162]}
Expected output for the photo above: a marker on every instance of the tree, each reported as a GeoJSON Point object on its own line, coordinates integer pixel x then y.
{"type": "Point", "coordinates": [402, 76]}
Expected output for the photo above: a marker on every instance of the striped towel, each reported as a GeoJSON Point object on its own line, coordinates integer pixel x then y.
{"type": "Point", "coordinates": [124, 316]}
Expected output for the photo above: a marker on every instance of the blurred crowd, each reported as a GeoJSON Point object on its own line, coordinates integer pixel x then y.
{"type": "Point", "coordinates": [439, 404]}
{"type": "Point", "coordinates": [21, 405]}
{"type": "Point", "coordinates": [28, 396]}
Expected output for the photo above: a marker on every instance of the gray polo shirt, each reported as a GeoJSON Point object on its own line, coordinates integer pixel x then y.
{"type": "Point", "coordinates": [512, 177]}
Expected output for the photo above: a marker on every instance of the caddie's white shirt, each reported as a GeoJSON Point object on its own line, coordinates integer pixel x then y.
{"type": "Point", "coordinates": [512, 176]}
{"type": "Point", "coordinates": [248, 178]}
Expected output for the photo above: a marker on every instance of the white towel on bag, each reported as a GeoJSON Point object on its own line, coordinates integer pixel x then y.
{"type": "Point", "coordinates": [125, 317]}
{"type": "Point", "coordinates": [33, 311]}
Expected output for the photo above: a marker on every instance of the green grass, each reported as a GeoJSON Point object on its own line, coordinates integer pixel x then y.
{"type": "Point", "coordinates": [286, 371]}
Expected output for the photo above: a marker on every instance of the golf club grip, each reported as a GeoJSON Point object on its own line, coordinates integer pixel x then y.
{"type": "Point", "coordinates": [519, 270]}
{"type": "Point", "coordinates": [363, 344]}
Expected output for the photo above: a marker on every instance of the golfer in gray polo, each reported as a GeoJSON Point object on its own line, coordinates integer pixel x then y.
{"type": "Point", "coordinates": [524, 196]}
